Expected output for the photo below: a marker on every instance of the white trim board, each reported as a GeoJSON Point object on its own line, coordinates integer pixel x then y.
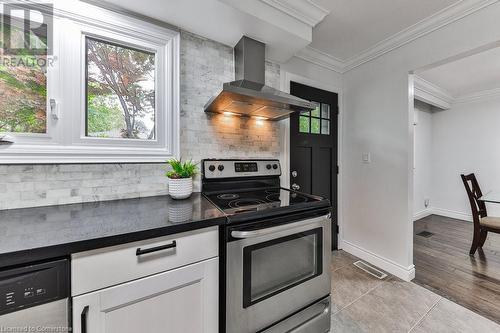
{"type": "Point", "coordinates": [423, 213]}
{"type": "Point", "coordinates": [434, 22]}
{"type": "Point", "coordinates": [432, 94]}
{"type": "Point", "coordinates": [305, 11]}
{"type": "Point", "coordinates": [285, 78]}
{"type": "Point", "coordinates": [404, 273]}
{"type": "Point", "coordinates": [446, 213]}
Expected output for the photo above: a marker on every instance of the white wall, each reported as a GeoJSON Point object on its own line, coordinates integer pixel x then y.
{"type": "Point", "coordinates": [466, 139]}
{"type": "Point", "coordinates": [422, 173]}
{"type": "Point", "coordinates": [378, 197]}
{"type": "Point", "coordinates": [313, 72]}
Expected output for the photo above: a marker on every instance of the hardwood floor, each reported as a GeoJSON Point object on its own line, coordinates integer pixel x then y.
{"type": "Point", "coordinates": [444, 266]}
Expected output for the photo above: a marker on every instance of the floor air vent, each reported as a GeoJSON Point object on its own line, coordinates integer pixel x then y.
{"type": "Point", "coordinates": [425, 234]}
{"type": "Point", "coordinates": [370, 269]}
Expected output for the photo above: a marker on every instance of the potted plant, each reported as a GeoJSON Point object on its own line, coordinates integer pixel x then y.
{"type": "Point", "coordinates": [180, 178]}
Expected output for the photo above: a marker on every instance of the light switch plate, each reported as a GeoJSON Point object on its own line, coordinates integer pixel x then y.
{"type": "Point", "coordinates": [366, 158]}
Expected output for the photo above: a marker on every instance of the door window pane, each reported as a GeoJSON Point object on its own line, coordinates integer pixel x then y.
{"type": "Point", "coordinates": [23, 80]}
{"type": "Point", "coordinates": [304, 124]}
{"type": "Point", "coordinates": [315, 126]}
{"type": "Point", "coordinates": [325, 111]}
{"type": "Point", "coordinates": [325, 127]}
{"type": "Point", "coordinates": [316, 112]}
{"type": "Point", "coordinates": [277, 265]}
{"type": "Point", "coordinates": [120, 91]}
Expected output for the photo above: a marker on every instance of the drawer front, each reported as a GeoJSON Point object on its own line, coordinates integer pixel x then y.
{"type": "Point", "coordinates": [101, 268]}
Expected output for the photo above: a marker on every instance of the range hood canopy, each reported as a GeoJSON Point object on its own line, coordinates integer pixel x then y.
{"type": "Point", "coordinates": [248, 95]}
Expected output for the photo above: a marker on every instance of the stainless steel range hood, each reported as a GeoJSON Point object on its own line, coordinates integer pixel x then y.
{"type": "Point", "coordinates": [248, 95]}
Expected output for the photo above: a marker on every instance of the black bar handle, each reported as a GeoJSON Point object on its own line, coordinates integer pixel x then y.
{"type": "Point", "coordinates": [83, 318]}
{"type": "Point", "coordinates": [140, 251]}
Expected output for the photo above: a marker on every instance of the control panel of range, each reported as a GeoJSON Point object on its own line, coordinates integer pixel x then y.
{"type": "Point", "coordinates": [240, 168]}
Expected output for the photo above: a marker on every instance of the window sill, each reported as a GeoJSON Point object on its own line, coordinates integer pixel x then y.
{"type": "Point", "coordinates": [77, 155]}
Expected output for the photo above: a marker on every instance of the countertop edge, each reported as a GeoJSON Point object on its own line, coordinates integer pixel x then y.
{"type": "Point", "coordinates": [11, 259]}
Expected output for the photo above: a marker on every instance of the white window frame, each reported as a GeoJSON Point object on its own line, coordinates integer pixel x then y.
{"type": "Point", "coordinates": [65, 140]}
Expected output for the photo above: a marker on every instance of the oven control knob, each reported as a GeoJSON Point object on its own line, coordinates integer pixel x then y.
{"type": "Point", "coordinates": [220, 167]}
{"type": "Point", "coordinates": [211, 168]}
{"type": "Point", "coordinates": [275, 166]}
{"type": "Point", "coordinates": [268, 167]}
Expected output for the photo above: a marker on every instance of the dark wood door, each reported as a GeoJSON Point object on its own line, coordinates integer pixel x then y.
{"type": "Point", "coordinates": [313, 147]}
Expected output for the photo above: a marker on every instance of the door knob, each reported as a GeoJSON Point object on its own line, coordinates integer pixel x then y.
{"type": "Point", "coordinates": [295, 187]}
{"type": "Point", "coordinates": [295, 174]}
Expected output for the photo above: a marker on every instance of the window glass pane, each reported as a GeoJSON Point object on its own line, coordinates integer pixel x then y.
{"type": "Point", "coordinates": [325, 127]}
{"type": "Point", "coordinates": [120, 91]}
{"type": "Point", "coordinates": [304, 124]}
{"type": "Point", "coordinates": [325, 111]}
{"type": "Point", "coordinates": [305, 113]}
{"type": "Point", "coordinates": [23, 79]}
{"type": "Point", "coordinates": [316, 112]}
{"type": "Point", "coordinates": [315, 124]}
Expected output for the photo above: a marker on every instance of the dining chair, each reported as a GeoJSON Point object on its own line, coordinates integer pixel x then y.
{"type": "Point", "coordinates": [482, 222]}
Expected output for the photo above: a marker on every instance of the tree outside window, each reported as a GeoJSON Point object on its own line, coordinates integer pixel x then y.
{"type": "Point", "coordinates": [120, 91]}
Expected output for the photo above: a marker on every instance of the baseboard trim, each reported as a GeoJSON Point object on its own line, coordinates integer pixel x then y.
{"type": "Point", "coordinates": [423, 213]}
{"type": "Point", "coordinates": [404, 273]}
{"type": "Point", "coordinates": [452, 214]}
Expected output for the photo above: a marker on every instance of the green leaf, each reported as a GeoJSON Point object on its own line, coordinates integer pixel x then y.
{"type": "Point", "coordinates": [181, 169]}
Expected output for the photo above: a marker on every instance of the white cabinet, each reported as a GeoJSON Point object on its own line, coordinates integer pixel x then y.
{"type": "Point", "coordinates": [182, 300]}
{"type": "Point", "coordinates": [102, 268]}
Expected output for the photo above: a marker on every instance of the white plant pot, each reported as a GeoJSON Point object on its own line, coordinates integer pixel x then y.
{"type": "Point", "coordinates": [180, 188]}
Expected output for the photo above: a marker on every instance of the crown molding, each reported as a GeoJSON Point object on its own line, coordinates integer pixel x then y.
{"type": "Point", "coordinates": [434, 22]}
{"type": "Point", "coordinates": [430, 93]}
{"type": "Point", "coordinates": [478, 96]}
{"type": "Point", "coordinates": [305, 11]}
{"type": "Point", "coordinates": [322, 59]}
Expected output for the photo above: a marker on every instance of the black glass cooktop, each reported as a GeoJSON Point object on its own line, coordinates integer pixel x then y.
{"type": "Point", "coordinates": [236, 202]}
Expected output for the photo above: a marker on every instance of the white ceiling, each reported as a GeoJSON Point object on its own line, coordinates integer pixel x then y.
{"type": "Point", "coordinates": [353, 26]}
{"type": "Point", "coordinates": [226, 21]}
{"type": "Point", "coordinates": [476, 73]}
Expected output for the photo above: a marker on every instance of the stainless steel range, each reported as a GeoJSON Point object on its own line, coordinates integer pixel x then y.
{"type": "Point", "coordinates": [275, 250]}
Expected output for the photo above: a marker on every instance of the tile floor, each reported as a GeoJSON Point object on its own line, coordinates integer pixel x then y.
{"type": "Point", "coordinates": [362, 303]}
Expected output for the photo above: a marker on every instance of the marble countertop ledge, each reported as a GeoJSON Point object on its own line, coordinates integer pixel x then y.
{"type": "Point", "coordinates": [41, 233]}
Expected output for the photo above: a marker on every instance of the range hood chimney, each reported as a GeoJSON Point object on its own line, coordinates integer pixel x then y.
{"type": "Point", "coordinates": [248, 95]}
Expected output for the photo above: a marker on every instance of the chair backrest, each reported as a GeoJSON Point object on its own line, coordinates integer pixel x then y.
{"type": "Point", "coordinates": [474, 192]}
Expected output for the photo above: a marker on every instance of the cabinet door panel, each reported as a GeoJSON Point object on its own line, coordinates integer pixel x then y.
{"type": "Point", "coordinates": [181, 300]}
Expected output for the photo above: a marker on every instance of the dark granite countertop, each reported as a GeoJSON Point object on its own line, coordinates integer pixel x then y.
{"type": "Point", "coordinates": [33, 234]}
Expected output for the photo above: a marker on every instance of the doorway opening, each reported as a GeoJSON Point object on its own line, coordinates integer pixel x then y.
{"type": "Point", "coordinates": [456, 118]}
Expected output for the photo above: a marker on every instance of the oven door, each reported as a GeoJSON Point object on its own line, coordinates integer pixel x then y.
{"type": "Point", "coordinates": [274, 272]}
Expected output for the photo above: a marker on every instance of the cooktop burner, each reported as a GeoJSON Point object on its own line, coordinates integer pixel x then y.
{"type": "Point", "coordinates": [244, 201]}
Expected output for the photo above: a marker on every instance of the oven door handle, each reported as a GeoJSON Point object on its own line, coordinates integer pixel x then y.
{"type": "Point", "coordinates": [262, 232]}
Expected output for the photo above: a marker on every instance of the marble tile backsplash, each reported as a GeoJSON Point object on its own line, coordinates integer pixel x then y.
{"type": "Point", "coordinates": [205, 66]}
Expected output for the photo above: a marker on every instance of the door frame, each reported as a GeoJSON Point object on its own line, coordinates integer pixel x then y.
{"type": "Point", "coordinates": [285, 78]}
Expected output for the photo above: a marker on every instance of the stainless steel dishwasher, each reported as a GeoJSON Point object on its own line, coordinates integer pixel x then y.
{"type": "Point", "coordinates": [34, 298]}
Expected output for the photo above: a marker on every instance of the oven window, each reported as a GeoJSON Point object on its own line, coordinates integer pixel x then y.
{"type": "Point", "coordinates": [272, 267]}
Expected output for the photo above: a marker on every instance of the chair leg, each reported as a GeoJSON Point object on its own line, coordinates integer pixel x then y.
{"type": "Point", "coordinates": [475, 241]}
{"type": "Point", "coordinates": [484, 234]}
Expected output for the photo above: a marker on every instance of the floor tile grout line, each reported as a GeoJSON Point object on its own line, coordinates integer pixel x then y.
{"type": "Point", "coordinates": [426, 314]}
{"type": "Point", "coordinates": [355, 300]}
